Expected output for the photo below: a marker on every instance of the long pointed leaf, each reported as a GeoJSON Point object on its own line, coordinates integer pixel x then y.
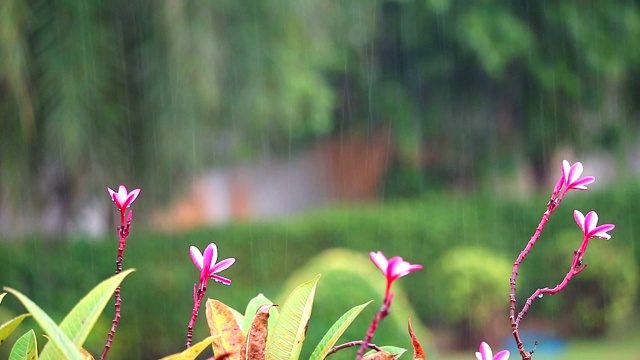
{"type": "Point", "coordinates": [337, 329]}
{"type": "Point", "coordinates": [2, 296]}
{"type": "Point", "coordinates": [256, 342]}
{"type": "Point", "coordinates": [222, 322]}
{"type": "Point", "coordinates": [25, 348]}
{"type": "Point", "coordinates": [285, 341]}
{"type": "Point", "coordinates": [253, 306]}
{"type": "Point", "coordinates": [69, 350]}
{"type": "Point", "coordinates": [81, 319]}
{"type": "Point", "coordinates": [192, 352]}
{"type": "Point", "coordinates": [7, 328]}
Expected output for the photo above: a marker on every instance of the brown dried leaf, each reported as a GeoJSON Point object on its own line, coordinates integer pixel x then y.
{"type": "Point", "coordinates": [222, 322]}
{"type": "Point", "coordinates": [256, 342]}
{"type": "Point", "coordinates": [418, 352]}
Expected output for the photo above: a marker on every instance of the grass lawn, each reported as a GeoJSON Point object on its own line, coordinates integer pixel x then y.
{"type": "Point", "coordinates": [625, 347]}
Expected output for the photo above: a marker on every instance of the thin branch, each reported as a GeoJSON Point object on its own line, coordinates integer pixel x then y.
{"type": "Point", "coordinates": [381, 314]}
{"type": "Point", "coordinates": [123, 233]}
{"type": "Point", "coordinates": [198, 295]}
{"type": "Point", "coordinates": [552, 205]}
{"type": "Point", "coordinates": [351, 344]}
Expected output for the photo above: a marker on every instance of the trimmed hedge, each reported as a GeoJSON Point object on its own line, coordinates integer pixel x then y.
{"type": "Point", "coordinates": [157, 299]}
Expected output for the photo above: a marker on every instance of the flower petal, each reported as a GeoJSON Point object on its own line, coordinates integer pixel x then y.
{"type": "Point", "coordinates": [132, 197]}
{"type": "Point", "coordinates": [221, 279]}
{"type": "Point", "coordinates": [403, 268]}
{"type": "Point", "coordinates": [394, 268]}
{"type": "Point", "coordinates": [380, 261]}
{"type": "Point", "coordinates": [601, 231]}
{"type": "Point", "coordinates": [565, 170]}
{"type": "Point", "coordinates": [222, 265]}
{"type": "Point", "coordinates": [577, 215]}
{"type": "Point", "coordinates": [485, 351]}
{"type": "Point", "coordinates": [214, 255]}
{"type": "Point", "coordinates": [574, 173]}
{"type": "Point", "coordinates": [502, 355]}
{"type": "Point", "coordinates": [207, 257]}
{"type": "Point", "coordinates": [196, 257]}
{"type": "Point", "coordinates": [581, 183]}
{"type": "Point", "coordinates": [590, 221]}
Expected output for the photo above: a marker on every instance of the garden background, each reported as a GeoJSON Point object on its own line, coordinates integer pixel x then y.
{"type": "Point", "coordinates": [430, 129]}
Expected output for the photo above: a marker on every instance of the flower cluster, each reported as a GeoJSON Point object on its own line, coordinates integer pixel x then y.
{"type": "Point", "coordinates": [588, 225]}
{"type": "Point", "coordinates": [569, 180]}
{"type": "Point", "coordinates": [123, 199]}
{"type": "Point", "coordinates": [207, 265]}
{"type": "Point", "coordinates": [209, 268]}
{"type": "Point", "coordinates": [393, 268]}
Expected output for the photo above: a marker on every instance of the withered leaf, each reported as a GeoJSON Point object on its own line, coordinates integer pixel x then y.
{"type": "Point", "coordinates": [254, 346]}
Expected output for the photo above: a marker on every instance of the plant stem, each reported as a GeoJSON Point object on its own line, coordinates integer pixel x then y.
{"type": "Point", "coordinates": [123, 233]}
{"type": "Point", "coordinates": [554, 202]}
{"type": "Point", "coordinates": [337, 348]}
{"type": "Point", "coordinates": [381, 314]}
{"type": "Point", "coordinates": [198, 295]}
{"type": "Point", "coordinates": [576, 268]}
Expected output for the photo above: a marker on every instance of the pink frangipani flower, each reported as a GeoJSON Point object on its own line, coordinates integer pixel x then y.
{"type": "Point", "coordinates": [207, 265]}
{"type": "Point", "coordinates": [571, 175]}
{"type": "Point", "coordinates": [589, 227]}
{"type": "Point", "coordinates": [486, 353]}
{"type": "Point", "coordinates": [123, 198]}
{"type": "Point", "coordinates": [393, 268]}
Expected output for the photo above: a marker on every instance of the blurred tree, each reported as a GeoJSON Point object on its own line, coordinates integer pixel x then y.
{"type": "Point", "coordinates": [94, 92]}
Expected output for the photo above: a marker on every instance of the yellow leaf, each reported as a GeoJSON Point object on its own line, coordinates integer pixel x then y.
{"type": "Point", "coordinates": [222, 322]}
{"type": "Point", "coordinates": [192, 352]}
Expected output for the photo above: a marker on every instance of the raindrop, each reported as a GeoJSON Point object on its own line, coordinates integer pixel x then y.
{"type": "Point", "coordinates": [540, 296]}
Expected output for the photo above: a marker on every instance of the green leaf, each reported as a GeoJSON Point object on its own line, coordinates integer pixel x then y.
{"type": "Point", "coordinates": [285, 342]}
{"type": "Point", "coordinates": [253, 306]}
{"type": "Point", "coordinates": [337, 329]}
{"type": "Point", "coordinates": [7, 328]}
{"type": "Point", "coordinates": [69, 350]}
{"type": "Point", "coordinates": [26, 348]}
{"type": "Point", "coordinates": [81, 319]}
{"type": "Point", "coordinates": [192, 352]}
{"type": "Point", "coordinates": [236, 315]}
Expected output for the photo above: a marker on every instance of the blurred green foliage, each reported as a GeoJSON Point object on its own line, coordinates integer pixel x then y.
{"type": "Point", "coordinates": [470, 283]}
{"type": "Point", "coordinates": [151, 91]}
{"type": "Point", "coordinates": [604, 295]}
{"type": "Point", "coordinates": [157, 298]}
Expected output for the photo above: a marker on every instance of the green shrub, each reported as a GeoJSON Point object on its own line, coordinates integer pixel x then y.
{"type": "Point", "coordinates": [470, 282]}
